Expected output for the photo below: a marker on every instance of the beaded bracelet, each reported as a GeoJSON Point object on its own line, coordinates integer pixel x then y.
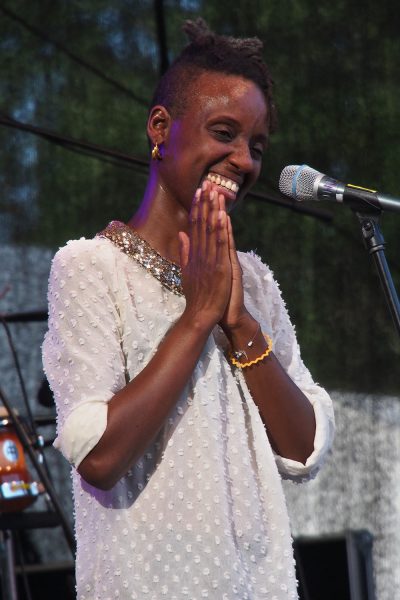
{"type": "Point", "coordinates": [268, 351]}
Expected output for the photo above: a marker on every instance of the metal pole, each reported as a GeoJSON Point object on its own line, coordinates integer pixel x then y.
{"type": "Point", "coordinates": [7, 565]}
{"type": "Point", "coordinates": [162, 35]}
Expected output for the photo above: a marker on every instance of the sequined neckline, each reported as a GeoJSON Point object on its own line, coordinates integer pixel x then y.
{"type": "Point", "coordinates": [130, 242]}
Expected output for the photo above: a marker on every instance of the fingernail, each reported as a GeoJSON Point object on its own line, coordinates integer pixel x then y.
{"type": "Point", "coordinates": [213, 195]}
{"type": "Point", "coordinates": [204, 185]}
{"type": "Point", "coordinates": [197, 194]}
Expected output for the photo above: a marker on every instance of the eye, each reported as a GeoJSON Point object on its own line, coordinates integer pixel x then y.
{"type": "Point", "coordinates": [225, 135]}
{"type": "Point", "coordinates": [257, 152]}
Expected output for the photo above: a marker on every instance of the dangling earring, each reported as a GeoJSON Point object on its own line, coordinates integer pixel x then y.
{"type": "Point", "coordinates": [155, 153]}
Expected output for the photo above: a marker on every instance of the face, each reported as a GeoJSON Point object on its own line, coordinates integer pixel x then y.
{"type": "Point", "coordinates": [220, 137]}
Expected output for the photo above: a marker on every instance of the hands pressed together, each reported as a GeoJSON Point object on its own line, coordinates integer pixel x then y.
{"type": "Point", "coordinates": [211, 272]}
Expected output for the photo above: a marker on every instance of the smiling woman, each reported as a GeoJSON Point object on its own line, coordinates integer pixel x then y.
{"type": "Point", "coordinates": [179, 385]}
{"type": "Point", "coordinates": [221, 134]}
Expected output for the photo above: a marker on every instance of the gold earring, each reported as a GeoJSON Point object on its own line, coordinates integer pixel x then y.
{"type": "Point", "coordinates": [155, 153]}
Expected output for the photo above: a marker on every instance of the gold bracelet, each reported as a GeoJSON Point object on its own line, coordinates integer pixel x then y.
{"type": "Point", "coordinates": [268, 351]}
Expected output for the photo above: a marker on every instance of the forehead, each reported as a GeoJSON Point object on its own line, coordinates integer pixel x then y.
{"type": "Point", "coordinates": [213, 92]}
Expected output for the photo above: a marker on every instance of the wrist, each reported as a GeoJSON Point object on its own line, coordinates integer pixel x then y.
{"type": "Point", "coordinates": [198, 322]}
{"type": "Point", "coordinates": [249, 345]}
{"type": "Point", "coordinates": [244, 328]}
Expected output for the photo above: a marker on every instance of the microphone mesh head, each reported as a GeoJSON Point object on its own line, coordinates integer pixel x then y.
{"type": "Point", "coordinates": [286, 179]}
{"type": "Point", "coordinates": [298, 181]}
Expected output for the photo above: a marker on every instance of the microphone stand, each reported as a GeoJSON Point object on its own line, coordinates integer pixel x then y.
{"type": "Point", "coordinates": [375, 244]}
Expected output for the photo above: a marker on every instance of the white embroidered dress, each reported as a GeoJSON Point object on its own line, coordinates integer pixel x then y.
{"type": "Point", "coordinates": [202, 514]}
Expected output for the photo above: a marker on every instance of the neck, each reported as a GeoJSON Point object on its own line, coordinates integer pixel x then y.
{"type": "Point", "coordinates": [159, 219]}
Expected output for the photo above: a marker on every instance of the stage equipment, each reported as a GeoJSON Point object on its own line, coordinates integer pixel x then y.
{"type": "Point", "coordinates": [19, 438]}
{"type": "Point", "coordinates": [47, 581]}
{"type": "Point", "coordinates": [304, 183]}
{"type": "Point", "coordinates": [17, 490]}
{"type": "Point", "coordinates": [301, 182]}
{"type": "Point", "coordinates": [12, 522]}
{"type": "Point", "coordinates": [335, 567]}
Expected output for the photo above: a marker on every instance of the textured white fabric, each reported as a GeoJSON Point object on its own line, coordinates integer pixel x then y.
{"type": "Point", "coordinates": [202, 513]}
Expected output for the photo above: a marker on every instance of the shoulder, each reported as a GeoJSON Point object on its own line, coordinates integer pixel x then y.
{"type": "Point", "coordinates": [82, 262]}
{"type": "Point", "coordinates": [84, 249]}
{"type": "Point", "coordinates": [84, 254]}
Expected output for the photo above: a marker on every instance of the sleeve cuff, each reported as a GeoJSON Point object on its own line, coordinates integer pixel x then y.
{"type": "Point", "coordinates": [324, 431]}
{"type": "Point", "coordinates": [81, 431]}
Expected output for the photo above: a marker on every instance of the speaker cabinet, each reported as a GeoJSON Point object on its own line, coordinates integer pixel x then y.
{"type": "Point", "coordinates": [335, 567]}
{"type": "Point", "coordinates": [47, 582]}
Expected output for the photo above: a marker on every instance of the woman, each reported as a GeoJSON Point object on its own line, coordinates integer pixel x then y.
{"type": "Point", "coordinates": [176, 371]}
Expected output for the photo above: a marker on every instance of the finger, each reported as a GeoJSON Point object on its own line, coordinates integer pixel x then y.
{"type": "Point", "coordinates": [203, 215]}
{"type": "Point", "coordinates": [212, 228]}
{"type": "Point", "coordinates": [231, 243]}
{"type": "Point", "coordinates": [193, 220]}
{"type": "Point", "coordinates": [184, 248]}
{"type": "Point", "coordinates": [221, 202]}
{"type": "Point", "coordinates": [222, 240]}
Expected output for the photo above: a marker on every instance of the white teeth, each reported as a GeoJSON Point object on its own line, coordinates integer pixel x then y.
{"type": "Point", "coordinates": [227, 183]}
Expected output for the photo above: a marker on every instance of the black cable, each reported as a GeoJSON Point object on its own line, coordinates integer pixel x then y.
{"type": "Point", "coordinates": [276, 197]}
{"type": "Point", "coordinates": [124, 160]}
{"type": "Point", "coordinates": [118, 159]}
{"type": "Point", "coordinates": [78, 146]}
{"type": "Point", "coordinates": [98, 72]}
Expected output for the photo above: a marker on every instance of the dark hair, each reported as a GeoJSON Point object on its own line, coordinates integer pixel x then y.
{"type": "Point", "coordinates": [208, 51]}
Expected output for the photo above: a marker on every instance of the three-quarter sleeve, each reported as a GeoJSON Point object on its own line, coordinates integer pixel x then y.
{"type": "Point", "coordinates": [82, 354]}
{"type": "Point", "coordinates": [266, 304]}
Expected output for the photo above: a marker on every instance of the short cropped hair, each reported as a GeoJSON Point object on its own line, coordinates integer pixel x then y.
{"type": "Point", "coordinates": [210, 52]}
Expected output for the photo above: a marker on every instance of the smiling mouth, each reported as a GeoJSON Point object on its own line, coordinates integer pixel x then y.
{"type": "Point", "coordinates": [227, 185]}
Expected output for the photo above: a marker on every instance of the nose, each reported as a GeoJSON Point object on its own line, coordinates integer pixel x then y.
{"type": "Point", "coordinates": [241, 157]}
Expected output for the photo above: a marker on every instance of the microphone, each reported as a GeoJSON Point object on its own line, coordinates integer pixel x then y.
{"type": "Point", "coordinates": [301, 182]}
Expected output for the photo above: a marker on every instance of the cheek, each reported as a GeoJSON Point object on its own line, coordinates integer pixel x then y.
{"type": "Point", "coordinates": [250, 181]}
{"type": "Point", "coordinates": [256, 171]}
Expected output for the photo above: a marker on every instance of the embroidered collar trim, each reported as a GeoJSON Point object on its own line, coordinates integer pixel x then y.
{"type": "Point", "coordinates": [130, 242]}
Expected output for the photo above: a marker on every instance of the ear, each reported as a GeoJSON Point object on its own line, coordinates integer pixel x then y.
{"type": "Point", "coordinates": [158, 124]}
